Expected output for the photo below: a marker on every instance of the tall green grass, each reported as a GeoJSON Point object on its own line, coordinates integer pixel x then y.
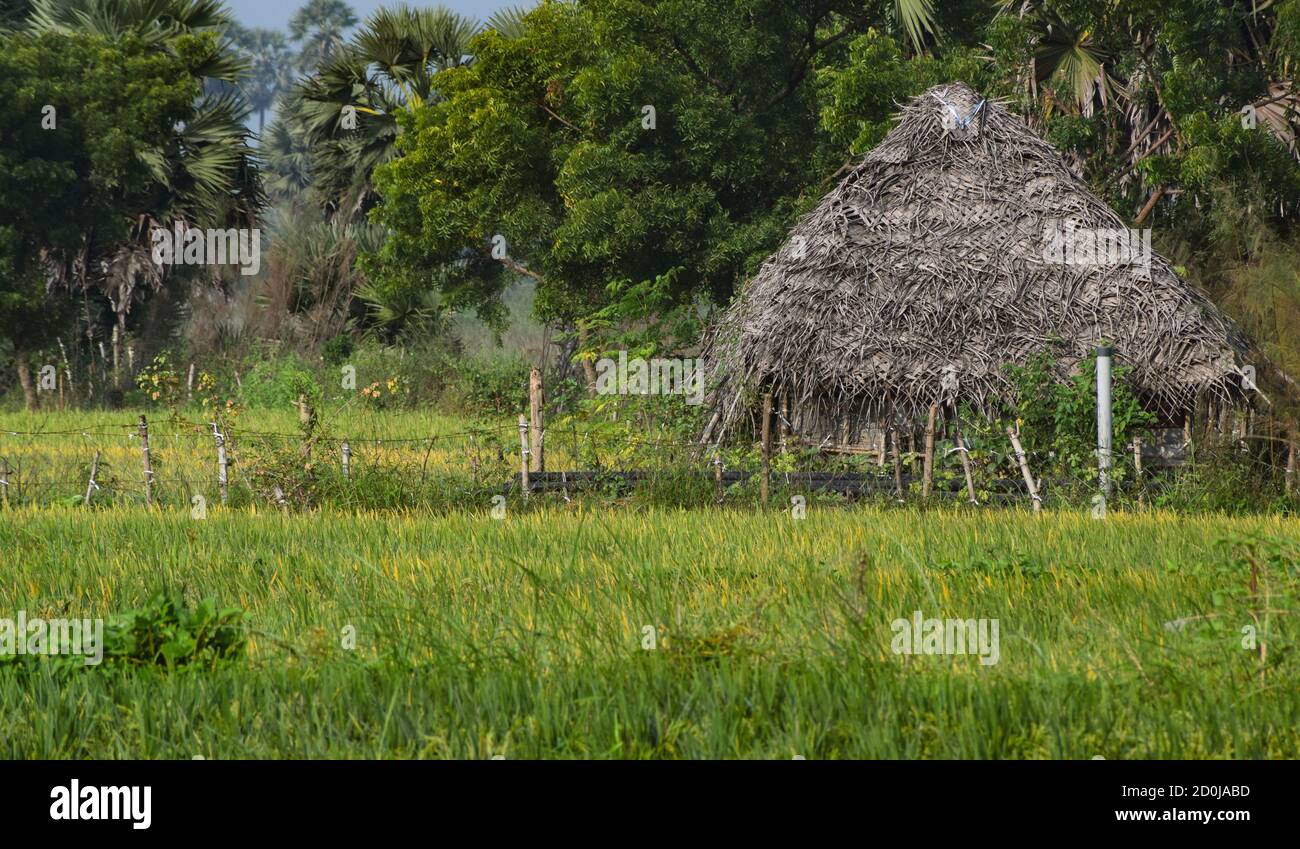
{"type": "Point", "coordinates": [524, 636]}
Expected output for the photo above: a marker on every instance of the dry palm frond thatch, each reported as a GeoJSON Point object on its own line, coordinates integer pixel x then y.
{"type": "Point", "coordinates": [923, 274]}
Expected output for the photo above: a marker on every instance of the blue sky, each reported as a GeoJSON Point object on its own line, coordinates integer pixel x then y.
{"type": "Point", "coordinates": [274, 14]}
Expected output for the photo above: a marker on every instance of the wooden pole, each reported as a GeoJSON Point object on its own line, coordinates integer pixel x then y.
{"type": "Point", "coordinates": [189, 385]}
{"type": "Point", "coordinates": [92, 486]}
{"type": "Point", "coordinates": [766, 482]}
{"type": "Point", "coordinates": [784, 428]}
{"type": "Point", "coordinates": [884, 446]}
{"type": "Point", "coordinates": [927, 474]}
{"type": "Point", "coordinates": [1137, 464]}
{"type": "Point", "coordinates": [964, 451]}
{"type": "Point", "coordinates": [4, 483]}
{"type": "Point", "coordinates": [523, 455]}
{"type": "Point", "coordinates": [223, 477]}
{"type": "Point", "coordinates": [1290, 464]}
{"type": "Point", "coordinates": [537, 460]}
{"type": "Point", "coordinates": [898, 465]}
{"type": "Point", "coordinates": [148, 465]}
{"type": "Point", "coordinates": [347, 460]}
{"type": "Point", "coordinates": [717, 475]}
{"type": "Point", "coordinates": [1024, 468]}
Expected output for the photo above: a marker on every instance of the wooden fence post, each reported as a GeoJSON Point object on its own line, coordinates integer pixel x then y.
{"type": "Point", "coordinates": [927, 468]}
{"type": "Point", "coordinates": [717, 474]}
{"type": "Point", "coordinates": [92, 485]}
{"type": "Point", "coordinates": [964, 452]}
{"type": "Point", "coordinates": [347, 460]}
{"type": "Point", "coordinates": [223, 477]}
{"type": "Point", "coordinates": [536, 431]}
{"type": "Point", "coordinates": [4, 483]}
{"type": "Point", "coordinates": [1024, 468]}
{"type": "Point", "coordinates": [766, 481]}
{"type": "Point", "coordinates": [1290, 463]}
{"type": "Point", "coordinates": [523, 455]}
{"type": "Point", "coordinates": [148, 465]}
{"type": "Point", "coordinates": [189, 385]}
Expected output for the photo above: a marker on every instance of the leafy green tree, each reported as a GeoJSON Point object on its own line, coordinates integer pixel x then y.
{"type": "Point", "coordinates": [619, 143]}
{"type": "Point", "coordinates": [202, 172]}
{"type": "Point", "coordinates": [81, 111]}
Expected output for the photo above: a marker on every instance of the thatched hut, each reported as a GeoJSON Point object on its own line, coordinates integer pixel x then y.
{"type": "Point", "coordinates": [927, 271]}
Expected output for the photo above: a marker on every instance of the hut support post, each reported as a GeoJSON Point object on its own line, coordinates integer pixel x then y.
{"type": "Point", "coordinates": [927, 477]}
{"type": "Point", "coordinates": [785, 419]}
{"type": "Point", "coordinates": [1024, 469]}
{"type": "Point", "coordinates": [766, 482]}
{"type": "Point", "coordinates": [898, 464]}
{"type": "Point", "coordinates": [1103, 420]}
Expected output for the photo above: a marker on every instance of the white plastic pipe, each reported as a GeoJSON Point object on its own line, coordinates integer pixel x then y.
{"type": "Point", "coordinates": [1104, 445]}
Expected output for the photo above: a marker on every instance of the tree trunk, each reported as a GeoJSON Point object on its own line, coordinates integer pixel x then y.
{"type": "Point", "coordinates": [588, 367]}
{"type": "Point", "coordinates": [25, 378]}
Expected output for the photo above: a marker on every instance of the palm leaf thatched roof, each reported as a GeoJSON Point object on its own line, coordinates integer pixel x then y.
{"type": "Point", "coordinates": [923, 274]}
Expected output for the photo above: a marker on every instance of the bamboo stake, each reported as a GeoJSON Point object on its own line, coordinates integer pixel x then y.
{"type": "Point", "coordinates": [927, 474]}
{"type": "Point", "coordinates": [223, 477]}
{"type": "Point", "coordinates": [1290, 465]}
{"type": "Point", "coordinates": [964, 451]}
{"type": "Point", "coordinates": [766, 481]}
{"type": "Point", "coordinates": [148, 466]}
{"type": "Point", "coordinates": [92, 485]}
{"type": "Point", "coordinates": [523, 455]}
{"type": "Point", "coordinates": [784, 428]}
{"type": "Point", "coordinates": [1024, 469]}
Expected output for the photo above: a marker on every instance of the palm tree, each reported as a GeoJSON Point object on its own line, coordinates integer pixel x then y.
{"type": "Point", "coordinates": [270, 62]}
{"type": "Point", "coordinates": [917, 18]}
{"type": "Point", "coordinates": [321, 26]}
{"type": "Point", "coordinates": [388, 66]}
{"type": "Point", "coordinates": [205, 174]}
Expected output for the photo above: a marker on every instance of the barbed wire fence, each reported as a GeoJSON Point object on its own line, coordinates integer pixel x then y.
{"type": "Point", "coordinates": [223, 463]}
